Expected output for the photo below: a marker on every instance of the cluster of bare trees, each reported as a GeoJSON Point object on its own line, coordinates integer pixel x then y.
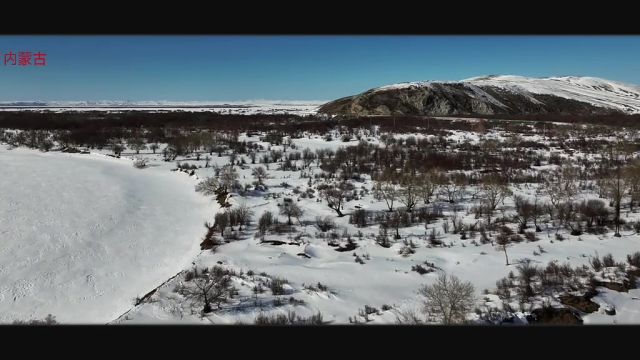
{"type": "Point", "coordinates": [240, 215]}
{"type": "Point", "coordinates": [411, 189]}
{"type": "Point", "coordinates": [34, 139]}
{"type": "Point", "coordinates": [618, 180]}
{"type": "Point", "coordinates": [408, 189]}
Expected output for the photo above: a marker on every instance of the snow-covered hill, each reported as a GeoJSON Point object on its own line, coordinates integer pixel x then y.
{"type": "Point", "coordinates": [596, 91]}
{"type": "Point", "coordinates": [493, 94]}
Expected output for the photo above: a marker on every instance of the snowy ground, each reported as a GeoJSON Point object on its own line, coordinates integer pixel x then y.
{"type": "Point", "coordinates": [82, 235]}
{"type": "Point", "coordinates": [144, 226]}
{"type": "Point", "coordinates": [239, 107]}
{"type": "Point", "coordinates": [385, 278]}
{"type": "Point", "coordinates": [626, 304]}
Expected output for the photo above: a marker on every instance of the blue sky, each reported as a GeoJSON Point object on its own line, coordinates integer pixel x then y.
{"type": "Point", "coordinates": [228, 68]}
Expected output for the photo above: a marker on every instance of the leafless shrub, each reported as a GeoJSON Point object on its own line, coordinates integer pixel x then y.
{"type": "Point", "coordinates": [288, 319]}
{"type": "Point", "coordinates": [139, 163]}
{"type": "Point", "coordinates": [530, 236]}
{"type": "Point", "coordinates": [276, 285]}
{"type": "Point", "coordinates": [265, 222]}
{"type": "Point", "coordinates": [634, 259]}
{"type": "Point", "coordinates": [48, 320]}
{"type": "Point", "coordinates": [449, 298]}
{"type": "Point", "coordinates": [595, 262]}
{"type": "Point", "coordinates": [325, 224]}
{"type": "Point", "coordinates": [408, 316]}
{"type": "Point", "coordinates": [608, 261]}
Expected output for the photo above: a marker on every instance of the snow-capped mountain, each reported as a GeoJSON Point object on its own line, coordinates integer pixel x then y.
{"type": "Point", "coordinates": [493, 94]}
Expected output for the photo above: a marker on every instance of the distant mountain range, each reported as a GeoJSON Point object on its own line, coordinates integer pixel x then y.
{"type": "Point", "coordinates": [115, 103]}
{"type": "Point", "coordinates": [489, 95]}
{"type": "Point", "coordinates": [231, 107]}
{"type": "Point", "coordinates": [486, 95]}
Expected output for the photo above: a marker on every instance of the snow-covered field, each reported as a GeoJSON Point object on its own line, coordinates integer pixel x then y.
{"type": "Point", "coordinates": [82, 235]}
{"type": "Point", "coordinates": [238, 107]}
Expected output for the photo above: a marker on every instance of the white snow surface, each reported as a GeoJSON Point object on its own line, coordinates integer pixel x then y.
{"type": "Point", "coordinates": [55, 266]}
{"type": "Point", "coordinates": [297, 107]}
{"type": "Point", "coordinates": [82, 235]}
{"type": "Point", "coordinates": [626, 305]}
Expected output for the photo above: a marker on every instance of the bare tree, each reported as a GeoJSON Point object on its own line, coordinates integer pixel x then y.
{"type": "Point", "coordinates": [214, 287]}
{"type": "Point", "coordinates": [243, 215]}
{"type": "Point", "coordinates": [221, 221]}
{"type": "Point", "coordinates": [538, 210]}
{"type": "Point", "coordinates": [450, 187]}
{"type": "Point", "coordinates": [153, 147]}
{"type": "Point", "coordinates": [116, 147]}
{"type": "Point", "coordinates": [449, 298]}
{"type": "Point", "coordinates": [494, 191]}
{"type": "Point", "coordinates": [232, 159]}
{"type": "Point", "coordinates": [616, 187]}
{"type": "Point", "coordinates": [526, 273]}
{"type": "Point", "coordinates": [308, 157]}
{"type": "Point", "coordinates": [169, 153]}
{"type": "Point", "coordinates": [394, 220]}
{"type": "Point", "coordinates": [265, 221]}
{"type": "Point", "coordinates": [561, 187]}
{"type": "Point", "coordinates": [593, 211]}
{"type": "Point", "coordinates": [137, 144]}
{"type": "Point", "coordinates": [524, 212]}
{"type": "Point", "coordinates": [335, 197]}
{"type": "Point", "coordinates": [617, 183]}
{"type": "Point", "coordinates": [208, 186]}
{"type": "Point", "coordinates": [387, 191]}
{"type": "Point", "coordinates": [260, 174]}
{"type": "Point", "coordinates": [212, 187]}
{"type": "Point", "coordinates": [408, 193]}
{"type": "Point", "coordinates": [291, 209]}
{"type": "Point", "coordinates": [504, 240]}
{"type": "Point", "coordinates": [428, 185]}
{"type": "Point", "coordinates": [632, 177]}
{"type": "Point", "coordinates": [228, 177]}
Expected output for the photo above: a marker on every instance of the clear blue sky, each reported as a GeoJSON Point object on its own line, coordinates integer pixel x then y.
{"type": "Point", "coordinates": [227, 68]}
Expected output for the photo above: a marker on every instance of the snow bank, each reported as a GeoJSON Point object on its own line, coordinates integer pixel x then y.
{"type": "Point", "coordinates": [82, 235]}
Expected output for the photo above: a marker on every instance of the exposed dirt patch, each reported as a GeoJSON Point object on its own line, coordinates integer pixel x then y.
{"type": "Point", "coordinates": [582, 303]}
{"type": "Point", "coordinates": [278, 242]}
{"type": "Point", "coordinates": [616, 286]}
{"type": "Point", "coordinates": [349, 247]}
{"type": "Point", "coordinates": [554, 316]}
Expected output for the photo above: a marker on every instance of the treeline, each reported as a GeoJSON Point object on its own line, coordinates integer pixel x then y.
{"type": "Point", "coordinates": [95, 120]}
{"type": "Point", "coordinates": [612, 119]}
{"type": "Point", "coordinates": [92, 121]}
{"type": "Point", "coordinates": [413, 155]}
